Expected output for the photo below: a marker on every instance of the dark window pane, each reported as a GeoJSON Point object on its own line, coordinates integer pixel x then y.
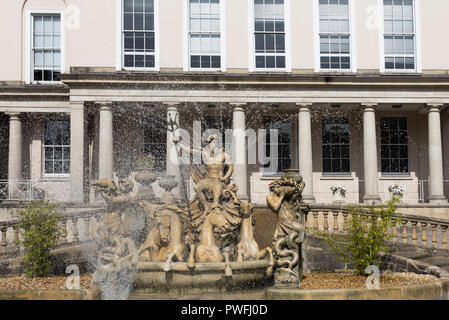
{"type": "Point", "coordinates": [129, 61]}
{"type": "Point", "coordinates": [269, 26]}
{"type": "Point", "coordinates": [140, 61]}
{"type": "Point", "coordinates": [128, 5]}
{"type": "Point", "coordinates": [138, 21]}
{"type": "Point", "coordinates": [216, 62]}
{"type": "Point", "coordinates": [260, 62]}
{"type": "Point", "coordinates": [259, 26]}
{"type": "Point", "coordinates": [325, 64]}
{"type": "Point", "coordinates": [195, 61]}
{"type": "Point", "coordinates": [403, 152]}
{"type": "Point", "coordinates": [205, 61]}
{"type": "Point", "coordinates": [335, 62]}
{"type": "Point", "coordinates": [269, 42]}
{"type": "Point", "coordinates": [280, 62]}
{"type": "Point", "coordinates": [345, 63]}
{"type": "Point", "coordinates": [149, 42]}
{"type": "Point", "coordinates": [404, 166]}
{"type": "Point", "coordinates": [336, 165]}
{"type": "Point", "coordinates": [149, 21]}
{"type": "Point", "coordinates": [280, 43]}
{"type": "Point", "coordinates": [149, 5]}
{"type": "Point", "coordinates": [139, 42]}
{"type": "Point", "coordinates": [345, 167]}
{"type": "Point", "coordinates": [327, 165]}
{"type": "Point", "coordinates": [394, 165]}
{"type": "Point", "coordinates": [326, 151]}
{"type": "Point", "coordinates": [345, 151]}
{"type": "Point", "coordinates": [279, 26]}
{"type": "Point", "coordinates": [260, 42]}
{"type": "Point", "coordinates": [48, 75]}
{"type": "Point", "coordinates": [385, 152]}
{"type": "Point", "coordinates": [49, 167]}
{"type": "Point", "coordinates": [399, 63]}
{"type": "Point", "coordinates": [389, 63]}
{"type": "Point", "coordinates": [335, 152]}
{"type": "Point", "coordinates": [66, 167]}
{"type": "Point", "coordinates": [37, 75]}
{"type": "Point", "coordinates": [270, 62]}
{"type": "Point", "coordinates": [56, 76]}
{"type": "Point", "coordinates": [128, 23]}
{"type": "Point", "coordinates": [385, 163]}
{"type": "Point", "coordinates": [394, 151]}
{"type": "Point", "coordinates": [149, 61]}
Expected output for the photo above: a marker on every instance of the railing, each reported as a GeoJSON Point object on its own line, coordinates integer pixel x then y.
{"type": "Point", "coordinates": [75, 228]}
{"type": "Point", "coordinates": [29, 190]}
{"type": "Point", "coordinates": [414, 230]}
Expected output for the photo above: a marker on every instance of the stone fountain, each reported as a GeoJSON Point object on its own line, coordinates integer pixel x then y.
{"type": "Point", "coordinates": [204, 246]}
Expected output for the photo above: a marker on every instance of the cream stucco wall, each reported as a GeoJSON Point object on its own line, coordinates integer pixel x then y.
{"type": "Point", "coordinates": [91, 35]}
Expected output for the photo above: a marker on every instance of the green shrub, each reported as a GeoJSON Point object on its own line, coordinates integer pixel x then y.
{"type": "Point", "coordinates": [39, 220]}
{"type": "Point", "coordinates": [367, 235]}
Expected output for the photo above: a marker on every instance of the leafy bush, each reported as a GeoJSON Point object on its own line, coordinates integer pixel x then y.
{"type": "Point", "coordinates": [40, 221]}
{"type": "Point", "coordinates": [367, 235]}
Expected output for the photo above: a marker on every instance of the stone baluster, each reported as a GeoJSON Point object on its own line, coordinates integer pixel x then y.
{"type": "Point", "coordinates": [63, 228]}
{"type": "Point", "coordinates": [404, 231]}
{"type": "Point", "coordinates": [395, 234]}
{"type": "Point", "coordinates": [424, 233]}
{"type": "Point", "coordinates": [325, 221]}
{"type": "Point", "coordinates": [315, 220]}
{"type": "Point", "coordinates": [3, 242]}
{"type": "Point", "coordinates": [443, 237]}
{"type": "Point", "coordinates": [87, 234]}
{"type": "Point", "coordinates": [434, 235]}
{"type": "Point", "coordinates": [345, 221]}
{"type": "Point", "coordinates": [75, 230]}
{"type": "Point", "coordinates": [16, 240]}
{"type": "Point", "coordinates": [336, 226]}
{"type": "Point", "coordinates": [414, 234]}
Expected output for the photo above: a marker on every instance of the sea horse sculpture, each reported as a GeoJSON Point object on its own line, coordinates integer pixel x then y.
{"type": "Point", "coordinates": [284, 202]}
{"type": "Point", "coordinates": [247, 248]}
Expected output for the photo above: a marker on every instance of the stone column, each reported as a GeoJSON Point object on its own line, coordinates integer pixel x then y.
{"type": "Point", "coordinates": [173, 165]}
{"type": "Point", "coordinates": [78, 128]}
{"type": "Point", "coordinates": [305, 160]}
{"type": "Point", "coordinates": [105, 154]}
{"type": "Point", "coordinates": [370, 154]}
{"type": "Point", "coordinates": [436, 189]}
{"type": "Point", "coordinates": [239, 150]}
{"type": "Point", "coordinates": [15, 163]}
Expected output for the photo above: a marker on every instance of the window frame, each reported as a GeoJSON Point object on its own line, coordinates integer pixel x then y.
{"type": "Point", "coordinates": [417, 32]}
{"type": "Point", "coordinates": [352, 40]}
{"type": "Point", "coordinates": [340, 173]}
{"type": "Point", "coordinates": [120, 50]}
{"type": "Point", "coordinates": [43, 146]}
{"type": "Point", "coordinates": [394, 174]}
{"type": "Point", "coordinates": [147, 124]}
{"type": "Point", "coordinates": [288, 120]}
{"type": "Point", "coordinates": [29, 57]}
{"type": "Point", "coordinates": [252, 40]}
{"type": "Point", "coordinates": [186, 39]}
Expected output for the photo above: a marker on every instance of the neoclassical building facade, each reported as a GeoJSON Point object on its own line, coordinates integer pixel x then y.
{"type": "Point", "coordinates": [353, 93]}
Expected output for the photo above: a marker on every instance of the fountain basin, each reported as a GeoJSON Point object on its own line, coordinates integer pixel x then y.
{"type": "Point", "coordinates": [204, 277]}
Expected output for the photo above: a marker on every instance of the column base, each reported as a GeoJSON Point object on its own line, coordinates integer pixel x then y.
{"type": "Point", "coordinates": [438, 200]}
{"type": "Point", "coordinates": [370, 199]}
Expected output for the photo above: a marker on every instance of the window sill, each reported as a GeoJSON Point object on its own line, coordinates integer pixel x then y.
{"type": "Point", "coordinates": [407, 176]}
{"type": "Point", "coordinates": [56, 178]}
{"type": "Point", "coordinates": [337, 177]}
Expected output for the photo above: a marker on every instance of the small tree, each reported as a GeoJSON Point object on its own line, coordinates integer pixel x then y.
{"type": "Point", "coordinates": [40, 221]}
{"type": "Point", "coordinates": [367, 235]}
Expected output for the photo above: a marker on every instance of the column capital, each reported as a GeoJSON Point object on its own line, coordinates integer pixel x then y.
{"type": "Point", "coordinates": [237, 106]}
{"type": "Point", "coordinates": [13, 115]}
{"type": "Point", "coordinates": [368, 107]}
{"type": "Point", "coordinates": [303, 105]}
{"type": "Point", "coordinates": [434, 107]}
{"type": "Point", "coordinates": [171, 106]}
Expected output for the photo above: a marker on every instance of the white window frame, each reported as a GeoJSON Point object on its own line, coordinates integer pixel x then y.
{"type": "Point", "coordinates": [252, 40]}
{"type": "Point", "coordinates": [186, 39]}
{"type": "Point", "coordinates": [416, 25]}
{"type": "Point", "coordinates": [120, 56]}
{"type": "Point", "coordinates": [52, 175]}
{"type": "Point", "coordinates": [352, 40]}
{"type": "Point", "coordinates": [29, 58]}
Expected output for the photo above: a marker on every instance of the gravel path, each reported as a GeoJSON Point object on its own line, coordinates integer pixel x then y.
{"type": "Point", "coordinates": [22, 282]}
{"type": "Point", "coordinates": [340, 281]}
